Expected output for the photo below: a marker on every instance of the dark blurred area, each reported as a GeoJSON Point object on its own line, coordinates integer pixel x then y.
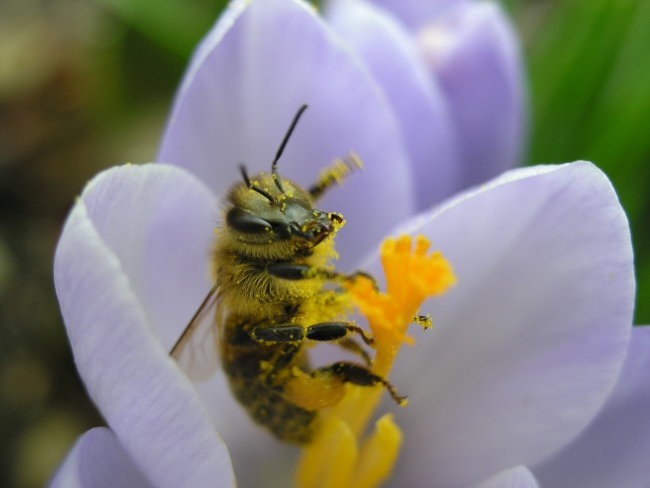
{"type": "Point", "coordinates": [82, 87]}
{"type": "Point", "coordinates": [87, 84]}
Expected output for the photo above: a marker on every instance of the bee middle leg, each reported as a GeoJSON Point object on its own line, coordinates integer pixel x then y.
{"type": "Point", "coordinates": [354, 347]}
{"type": "Point", "coordinates": [324, 331]}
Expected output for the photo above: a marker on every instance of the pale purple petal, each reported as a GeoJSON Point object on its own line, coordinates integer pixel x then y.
{"type": "Point", "coordinates": [97, 460]}
{"type": "Point", "coordinates": [244, 86]}
{"type": "Point", "coordinates": [517, 477]}
{"type": "Point", "coordinates": [473, 52]}
{"type": "Point", "coordinates": [390, 54]}
{"type": "Point", "coordinates": [614, 450]}
{"type": "Point", "coordinates": [159, 222]}
{"type": "Point", "coordinates": [99, 267]}
{"type": "Point", "coordinates": [249, 444]}
{"type": "Point", "coordinates": [528, 345]}
{"type": "Point", "coordinates": [414, 13]}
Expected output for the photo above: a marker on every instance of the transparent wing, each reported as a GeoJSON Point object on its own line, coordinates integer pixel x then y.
{"type": "Point", "coordinates": [196, 350]}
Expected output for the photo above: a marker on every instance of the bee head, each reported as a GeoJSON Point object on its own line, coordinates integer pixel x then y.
{"type": "Point", "coordinates": [268, 209]}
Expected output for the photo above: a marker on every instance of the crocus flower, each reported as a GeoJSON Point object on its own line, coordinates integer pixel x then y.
{"type": "Point", "coordinates": [429, 118]}
{"type": "Point", "coordinates": [519, 379]}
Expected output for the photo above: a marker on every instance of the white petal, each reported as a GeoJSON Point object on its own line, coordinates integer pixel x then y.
{"type": "Point", "coordinates": [100, 273]}
{"type": "Point", "coordinates": [517, 477]}
{"type": "Point", "coordinates": [615, 448]}
{"type": "Point", "coordinates": [474, 54]}
{"type": "Point", "coordinates": [389, 52]}
{"type": "Point", "coordinates": [528, 345]}
{"type": "Point", "coordinates": [250, 445]}
{"type": "Point", "coordinates": [158, 221]}
{"type": "Point", "coordinates": [97, 460]}
{"type": "Point", "coordinates": [414, 13]}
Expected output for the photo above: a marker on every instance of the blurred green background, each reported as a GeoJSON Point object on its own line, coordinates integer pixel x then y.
{"type": "Point", "coordinates": [87, 84]}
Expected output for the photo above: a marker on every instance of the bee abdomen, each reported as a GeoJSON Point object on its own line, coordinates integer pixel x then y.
{"type": "Point", "coordinates": [286, 421]}
{"type": "Point", "coordinates": [259, 390]}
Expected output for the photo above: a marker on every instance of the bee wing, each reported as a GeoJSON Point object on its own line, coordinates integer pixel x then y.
{"type": "Point", "coordinates": [196, 350]}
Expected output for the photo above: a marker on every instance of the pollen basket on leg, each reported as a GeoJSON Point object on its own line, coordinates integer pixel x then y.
{"type": "Point", "coordinates": [413, 274]}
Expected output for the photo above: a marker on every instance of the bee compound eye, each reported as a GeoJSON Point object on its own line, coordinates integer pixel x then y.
{"type": "Point", "coordinates": [243, 221]}
{"type": "Point", "coordinates": [282, 229]}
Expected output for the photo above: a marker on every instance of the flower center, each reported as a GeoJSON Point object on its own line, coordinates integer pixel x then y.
{"type": "Point", "coordinates": [340, 455]}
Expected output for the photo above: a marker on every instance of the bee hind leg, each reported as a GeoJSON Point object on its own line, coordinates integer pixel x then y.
{"type": "Point", "coordinates": [325, 386]}
{"type": "Point", "coordinates": [361, 376]}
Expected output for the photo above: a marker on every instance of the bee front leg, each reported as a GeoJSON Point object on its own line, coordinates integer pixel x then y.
{"type": "Point", "coordinates": [334, 174]}
{"type": "Point", "coordinates": [293, 272]}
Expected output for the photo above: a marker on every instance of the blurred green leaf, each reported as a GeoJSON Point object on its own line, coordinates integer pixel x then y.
{"type": "Point", "coordinates": [175, 25]}
{"type": "Point", "coordinates": [590, 80]}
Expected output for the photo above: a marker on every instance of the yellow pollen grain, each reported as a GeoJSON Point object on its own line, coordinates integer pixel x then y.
{"type": "Point", "coordinates": [340, 456]}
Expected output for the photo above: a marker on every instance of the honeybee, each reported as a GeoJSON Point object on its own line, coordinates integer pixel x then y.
{"type": "Point", "coordinates": [277, 295]}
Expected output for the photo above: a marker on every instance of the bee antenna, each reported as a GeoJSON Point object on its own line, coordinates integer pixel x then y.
{"type": "Point", "coordinates": [285, 139]}
{"type": "Point", "coordinates": [252, 186]}
{"type": "Point", "coordinates": [244, 175]}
